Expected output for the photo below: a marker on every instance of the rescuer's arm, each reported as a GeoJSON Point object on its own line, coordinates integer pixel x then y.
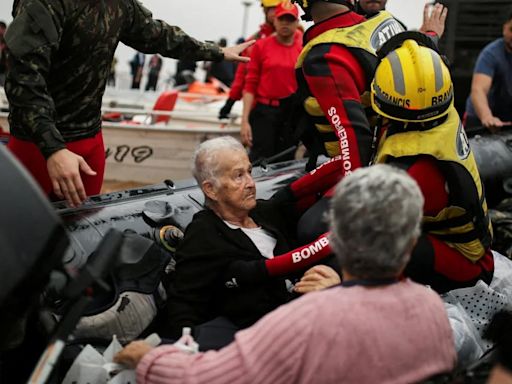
{"type": "Point", "coordinates": [148, 35]}
{"type": "Point", "coordinates": [237, 87]}
{"type": "Point", "coordinates": [254, 272]}
{"type": "Point", "coordinates": [337, 80]}
{"type": "Point", "coordinates": [308, 189]}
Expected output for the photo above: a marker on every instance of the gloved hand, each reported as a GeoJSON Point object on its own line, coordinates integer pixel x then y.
{"type": "Point", "coordinates": [283, 196]}
{"type": "Point", "coordinates": [226, 109]}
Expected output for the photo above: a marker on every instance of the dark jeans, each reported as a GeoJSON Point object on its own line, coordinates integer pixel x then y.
{"type": "Point", "coordinates": [269, 136]}
{"type": "Point", "coordinates": [152, 81]}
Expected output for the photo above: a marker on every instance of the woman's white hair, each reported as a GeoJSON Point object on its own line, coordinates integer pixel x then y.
{"type": "Point", "coordinates": [375, 218]}
{"type": "Point", "coordinates": [205, 163]}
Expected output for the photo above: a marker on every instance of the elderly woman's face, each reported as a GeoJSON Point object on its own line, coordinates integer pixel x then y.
{"type": "Point", "coordinates": [236, 189]}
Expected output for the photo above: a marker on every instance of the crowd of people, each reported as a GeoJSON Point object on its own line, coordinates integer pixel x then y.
{"type": "Point", "coordinates": [274, 291]}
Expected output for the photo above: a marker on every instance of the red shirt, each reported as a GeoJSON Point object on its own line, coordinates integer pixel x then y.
{"type": "Point", "coordinates": [237, 86]}
{"type": "Point", "coordinates": [271, 71]}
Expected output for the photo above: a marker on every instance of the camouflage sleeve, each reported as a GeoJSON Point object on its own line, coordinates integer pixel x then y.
{"type": "Point", "coordinates": [31, 37]}
{"type": "Point", "coordinates": [148, 35]}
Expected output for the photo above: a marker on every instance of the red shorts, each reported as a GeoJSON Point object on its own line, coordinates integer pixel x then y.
{"type": "Point", "coordinates": [91, 149]}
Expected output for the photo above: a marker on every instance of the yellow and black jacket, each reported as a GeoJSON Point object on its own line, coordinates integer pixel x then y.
{"type": "Point", "coordinates": [334, 72]}
{"type": "Point", "coordinates": [464, 223]}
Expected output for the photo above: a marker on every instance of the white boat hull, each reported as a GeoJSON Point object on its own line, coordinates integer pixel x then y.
{"type": "Point", "coordinates": [152, 154]}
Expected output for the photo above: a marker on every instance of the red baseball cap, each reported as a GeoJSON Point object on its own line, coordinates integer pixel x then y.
{"type": "Point", "coordinates": [287, 8]}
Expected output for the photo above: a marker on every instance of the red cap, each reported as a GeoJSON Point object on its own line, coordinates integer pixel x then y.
{"type": "Point", "coordinates": [287, 8]}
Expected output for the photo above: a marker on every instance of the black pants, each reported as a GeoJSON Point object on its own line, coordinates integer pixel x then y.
{"type": "Point", "coordinates": [269, 136]}
{"type": "Point", "coordinates": [152, 81]}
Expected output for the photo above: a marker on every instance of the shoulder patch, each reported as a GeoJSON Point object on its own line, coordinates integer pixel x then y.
{"type": "Point", "coordinates": [385, 31]}
{"type": "Point", "coordinates": [463, 147]}
{"type": "Point", "coordinates": [32, 28]}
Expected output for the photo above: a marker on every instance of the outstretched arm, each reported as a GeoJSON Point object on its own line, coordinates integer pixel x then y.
{"type": "Point", "coordinates": [148, 35]}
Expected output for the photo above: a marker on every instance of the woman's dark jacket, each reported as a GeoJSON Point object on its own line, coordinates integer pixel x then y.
{"type": "Point", "coordinates": [220, 272]}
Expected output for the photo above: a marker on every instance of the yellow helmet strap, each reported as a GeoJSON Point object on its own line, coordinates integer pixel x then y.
{"type": "Point", "coordinates": [413, 115]}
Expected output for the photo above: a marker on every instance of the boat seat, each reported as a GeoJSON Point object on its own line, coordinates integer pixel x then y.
{"type": "Point", "coordinates": [165, 102]}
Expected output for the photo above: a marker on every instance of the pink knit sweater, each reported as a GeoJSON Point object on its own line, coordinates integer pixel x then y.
{"type": "Point", "coordinates": [393, 334]}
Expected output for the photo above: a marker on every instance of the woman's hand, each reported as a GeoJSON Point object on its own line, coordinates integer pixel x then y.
{"type": "Point", "coordinates": [317, 278]}
{"type": "Point", "coordinates": [132, 353]}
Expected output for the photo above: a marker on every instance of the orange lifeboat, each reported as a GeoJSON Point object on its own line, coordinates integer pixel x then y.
{"type": "Point", "coordinates": [199, 92]}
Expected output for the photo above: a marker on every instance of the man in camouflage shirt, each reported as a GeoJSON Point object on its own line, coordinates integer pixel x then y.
{"type": "Point", "coordinates": [59, 62]}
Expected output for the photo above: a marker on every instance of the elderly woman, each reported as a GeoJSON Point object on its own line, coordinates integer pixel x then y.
{"type": "Point", "coordinates": [221, 268]}
{"type": "Point", "coordinates": [371, 329]}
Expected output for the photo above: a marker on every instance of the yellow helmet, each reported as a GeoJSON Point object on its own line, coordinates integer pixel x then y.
{"type": "Point", "coordinates": [412, 84]}
{"type": "Point", "coordinates": [270, 3]}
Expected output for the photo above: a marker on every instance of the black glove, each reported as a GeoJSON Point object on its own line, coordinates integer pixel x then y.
{"type": "Point", "coordinates": [226, 109]}
{"type": "Point", "coordinates": [284, 196]}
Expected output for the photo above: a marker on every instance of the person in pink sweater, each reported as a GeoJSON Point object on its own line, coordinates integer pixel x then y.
{"type": "Point", "coordinates": [373, 328]}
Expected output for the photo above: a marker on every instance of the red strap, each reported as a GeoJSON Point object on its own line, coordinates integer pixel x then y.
{"type": "Point", "coordinates": [266, 101]}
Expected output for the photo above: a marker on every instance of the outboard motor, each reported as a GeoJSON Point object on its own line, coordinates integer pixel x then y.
{"type": "Point", "coordinates": [33, 243]}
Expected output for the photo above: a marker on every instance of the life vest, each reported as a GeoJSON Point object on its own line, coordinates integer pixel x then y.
{"type": "Point", "coordinates": [464, 224]}
{"type": "Point", "coordinates": [199, 92]}
{"type": "Point", "coordinates": [362, 40]}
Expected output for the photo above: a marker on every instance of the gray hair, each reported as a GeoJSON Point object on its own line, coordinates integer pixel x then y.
{"type": "Point", "coordinates": [205, 164]}
{"type": "Point", "coordinates": [375, 218]}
